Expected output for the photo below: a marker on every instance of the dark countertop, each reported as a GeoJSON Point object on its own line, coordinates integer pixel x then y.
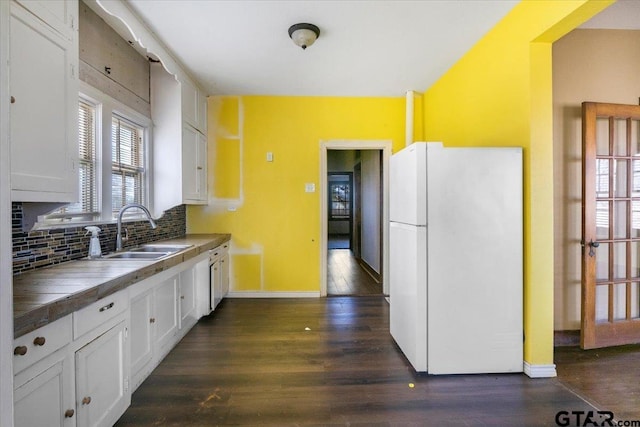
{"type": "Point", "coordinates": [47, 294]}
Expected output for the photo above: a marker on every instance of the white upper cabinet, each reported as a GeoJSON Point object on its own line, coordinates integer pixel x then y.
{"type": "Point", "coordinates": [179, 147]}
{"type": "Point", "coordinates": [194, 106]}
{"type": "Point", "coordinates": [43, 82]}
{"type": "Point", "coordinates": [61, 15]}
{"type": "Point", "coordinates": [194, 166]}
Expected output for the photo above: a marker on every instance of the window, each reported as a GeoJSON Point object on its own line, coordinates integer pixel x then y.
{"type": "Point", "coordinates": [127, 164]}
{"type": "Point", "coordinates": [106, 126]}
{"type": "Point", "coordinates": [86, 209]}
{"type": "Point", "coordinates": [340, 196]}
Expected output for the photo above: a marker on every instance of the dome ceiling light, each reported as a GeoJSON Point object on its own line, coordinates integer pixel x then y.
{"type": "Point", "coordinates": [304, 35]}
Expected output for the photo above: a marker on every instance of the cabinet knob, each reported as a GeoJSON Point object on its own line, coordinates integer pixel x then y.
{"type": "Point", "coordinates": [39, 341]}
{"type": "Point", "coordinates": [199, 168]}
{"type": "Point", "coordinates": [181, 296]}
{"type": "Point", "coordinates": [152, 320]}
{"type": "Point", "coordinates": [69, 413]}
{"type": "Point", "coordinates": [86, 400]}
{"type": "Point", "coordinates": [20, 350]}
{"type": "Point", "coordinates": [13, 99]}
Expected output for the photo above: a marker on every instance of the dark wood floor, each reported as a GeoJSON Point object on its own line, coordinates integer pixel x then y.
{"type": "Point", "coordinates": [345, 276]}
{"type": "Point", "coordinates": [326, 361]}
{"type": "Point", "coordinates": [609, 378]}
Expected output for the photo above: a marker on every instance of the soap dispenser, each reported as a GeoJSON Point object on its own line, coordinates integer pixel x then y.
{"type": "Point", "coordinates": [94, 244]}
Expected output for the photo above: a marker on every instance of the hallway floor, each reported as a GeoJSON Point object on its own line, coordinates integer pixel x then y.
{"type": "Point", "coordinates": [345, 276]}
{"type": "Point", "coordinates": [608, 377]}
{"type": "Point", "coordinates": [325, 362]}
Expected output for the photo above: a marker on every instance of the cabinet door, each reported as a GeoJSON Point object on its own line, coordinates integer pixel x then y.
{"type": "Point", "coordinates": [188, 315]}
{"type": "Point", "coordinates": [194, 162]}
{"type": "Point", "coordinates": [224, 275]}
{"type": "Point", "coordinates": [45, 398]}
{"type": "Point", "coordinates": [141, 338]}
{"type": "Point", "coordinates": [201, 167]}
{"type": "Point", "coordinates": [61, 15]}
{"type": "Point", "coordinates": [102, 389]}
{"type": "Point", "coordinates": [189, 102]}
{"type": "Point", "coordinates": [203, 293]}
{"type": "Point", "coordinates": [202, 113]}
{"type": "Point", "coordinates": [44, 112]}
{"type": "Point", "coordinates": [166, 309]}
{"type": "Point", "coordinates": [216, 284]}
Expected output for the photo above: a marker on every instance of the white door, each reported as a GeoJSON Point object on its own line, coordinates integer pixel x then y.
{"type": "Point", "coordinates": [408, 184]}
{"type": "Point", "coordinates": [142, 322]}
{"type": "Point", "coordinates": [44, 111]}
{"type": "Point", "coordinates": [408, 291]}
{"type": "Point", "coordinates": [166, 308]}
{"type": "Point", "coordinates": [47, 398]}
{"type": "Point", "coordinates": [102, 393]}
{"type": "Point", "coordinates": [475, 261]}
{"type": "Point", "coordinates": [188, 298]}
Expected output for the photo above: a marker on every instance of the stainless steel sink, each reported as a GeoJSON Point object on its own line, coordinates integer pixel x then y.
{"type": "Point", "coordinates": [160, 248]}
{"type": "Point", "coordinates": [150, 251]}
{"type": "Point", "coordinates": [137, 255]}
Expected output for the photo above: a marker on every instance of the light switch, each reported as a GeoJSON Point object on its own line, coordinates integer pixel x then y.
{"type": "Point", "coordinates": [269, 156]}
{"type": "Point", "coordinates": [309, 187]}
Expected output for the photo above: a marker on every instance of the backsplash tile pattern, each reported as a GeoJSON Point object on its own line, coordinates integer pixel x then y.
{"type": "Point", "coordinates": [42, 248]}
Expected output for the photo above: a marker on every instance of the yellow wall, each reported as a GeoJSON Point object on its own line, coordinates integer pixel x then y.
{"type": "Point", "coordinates": [500, 94]}
{"type": "Point", "coordinates": [275, 224]}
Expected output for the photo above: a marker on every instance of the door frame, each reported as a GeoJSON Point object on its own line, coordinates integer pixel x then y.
{"type": "Point", "coordinates": [350, 144]}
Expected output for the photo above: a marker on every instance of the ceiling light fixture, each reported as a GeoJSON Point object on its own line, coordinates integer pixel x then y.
{"type": "Point", "coordinates": [304, 35]}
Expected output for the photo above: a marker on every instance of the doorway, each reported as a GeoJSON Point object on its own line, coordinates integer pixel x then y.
{"type": "Point", "coordinates": [341, 214]}
{"type": "Point", "coordinates": [354, 217]}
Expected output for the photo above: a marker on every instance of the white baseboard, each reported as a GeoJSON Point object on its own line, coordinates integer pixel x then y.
{"type": "Point", "coordinates": [540, 371]}
{"type": "Point", "coordinates": [276, 294]}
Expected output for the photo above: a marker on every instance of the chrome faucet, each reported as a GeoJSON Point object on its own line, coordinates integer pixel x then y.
{"type": "Point", "coordinates": [124, 208]}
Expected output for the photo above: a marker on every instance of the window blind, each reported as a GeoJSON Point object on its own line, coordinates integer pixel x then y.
{"type": "Point", "coordinates": [87, 206]}
{"type": "Point", "coordinates": [128, 169]}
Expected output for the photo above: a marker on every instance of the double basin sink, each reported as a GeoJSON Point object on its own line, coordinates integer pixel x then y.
{"type": "Point", "coordinates": [148, 252]}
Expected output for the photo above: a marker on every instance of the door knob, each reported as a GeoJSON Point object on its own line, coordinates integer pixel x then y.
{"type": "Point", "coordinates": [592, 246]}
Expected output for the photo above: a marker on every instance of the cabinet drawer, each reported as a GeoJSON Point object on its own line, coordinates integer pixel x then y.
{"type": "Point", "coordinates": [34, 346]}
{"type": "Point", "coordinates": [99, 312]}
{"type": "Point", "coordinates": [219, 251]}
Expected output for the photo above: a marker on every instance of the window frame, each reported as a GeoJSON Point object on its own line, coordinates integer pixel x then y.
{"type": "Point", "coordinates": [106, 108]}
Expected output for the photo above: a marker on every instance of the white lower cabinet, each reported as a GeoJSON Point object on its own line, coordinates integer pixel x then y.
{"type": "Point", "coordinates": [142, 333]}
{"type": "Point", "coordinates": [44, 393]}
{"type": "Point", "coordinates": [102, 389]}
{"type": "Point", "coordinates": [166, 314]}
{"type": "Point", "coordinates": [219, 272]}
{"type": "Point", "coordinates": [188, 312]}
{"type": "Point", "coordinates": [81, 370]}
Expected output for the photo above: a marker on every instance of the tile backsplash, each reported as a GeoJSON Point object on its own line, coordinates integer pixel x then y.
{"type": "Point", "coordinates": [41, 248]}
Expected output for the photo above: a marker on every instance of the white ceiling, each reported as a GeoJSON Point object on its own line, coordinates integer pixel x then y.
{"type": "Point", "coordinates": [365, 48]}
{"type": "Point", "coordinates": [622, 15]}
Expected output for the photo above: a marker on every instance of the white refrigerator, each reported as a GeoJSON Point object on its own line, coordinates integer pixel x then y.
{"type": "Point", "coordinates": [456, 258]}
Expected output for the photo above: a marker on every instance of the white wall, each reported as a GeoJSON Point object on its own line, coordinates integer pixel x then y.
{"type": "Point", "coordinates": [370, 160]}
{"type": "Point", "coordinates": [588, 65]}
